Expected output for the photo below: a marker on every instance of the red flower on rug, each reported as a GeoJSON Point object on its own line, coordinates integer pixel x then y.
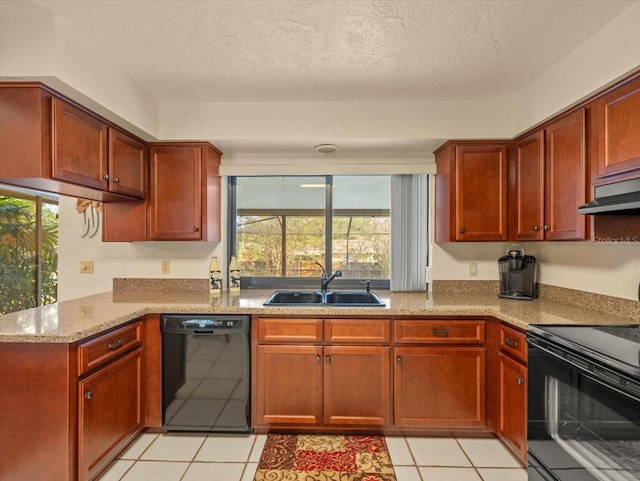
{"type": "Point", "coordinates": [332, 461]}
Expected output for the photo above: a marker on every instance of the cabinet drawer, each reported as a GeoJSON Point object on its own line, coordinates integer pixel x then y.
{"type": "Point", "coordinates": [358, 330]}
{"type": "Point", "coordinates": [108, 346]}
{"type": "Point", "coordinates": [283, 329]}
{"type": "Point", "coordinates": [513, 342]}
{"type": "Point", "coordinates": [470, 331]}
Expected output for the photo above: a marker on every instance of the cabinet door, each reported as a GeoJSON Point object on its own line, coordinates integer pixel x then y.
{"type": "Point", "coordinates": [289, 385]}
{"type": "Point", "coordinates": [127, 165]}
{"type": "Point", "coordinates": [357, 385]}
{"type": "Point", "coordinates": [512, 421]}
{"type": "Point", "coordinates": [529, 187]}
{"type": "Point", "coordinates": [440, 387]}
{"type": "Point", "coordinates": [175, 211]}
{"type": "Point", "coordinates": [481, 193]}
{"type": "Point", "coordinates": [110, 411]}
{"type": "Point", "coordinates": [79, 152]}
{"type": "Point", "coordinates": [618, 130]}
{"type": "Point", "coordinates": [566, 178]}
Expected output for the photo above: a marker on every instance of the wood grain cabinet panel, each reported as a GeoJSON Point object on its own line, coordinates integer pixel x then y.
{"type": "Point", "coordinates": [471, 192]}
{"type": "Point", "coordinates": [289, 385]}
{"type": "Point", "coordinates": [442, 387]}
{"type": "Point", "coordinates": [184, 192]}
{"type": "Point", "coordinates": [618, 120]}
{"type": "Point", "coordinates": [548, 182]}
{"type": "Point", "coordinates": [433, 331]}
{"type": "Point", "coordinates": [128, 165]}
{"type": "Point", "coordinates": [80, 147]}
{"type": "Point", "coordinates": [340, 331]}
{"type": "Point", "coordinates": [289, 330]}
{"type": "Point", "coordinates": [111, 412]}
{"type": "Point", "coordinates": [357, 385]}
{"type": "Point", "coordinates": [512, 417]}
{"type": "Point", "coordinates": [565, 178]}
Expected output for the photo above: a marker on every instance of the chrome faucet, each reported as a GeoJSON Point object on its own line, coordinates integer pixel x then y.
{"type": "Point", "coordinates": [326, 279]}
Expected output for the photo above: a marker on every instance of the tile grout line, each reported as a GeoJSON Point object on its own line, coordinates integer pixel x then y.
{"type": "Point", "coordinates": [415, 463]}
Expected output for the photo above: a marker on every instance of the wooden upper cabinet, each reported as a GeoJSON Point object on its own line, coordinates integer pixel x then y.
{"type": "Point", "coordinates": [471, 192]}
{"type": "Point", "coordinates": [528, 201]}
{"type": "Point", "coordinates": [127, 165]}
{"type": "Point", "coordinates": [79, 152]}
{"type": "Point", "coordinates": [565, 178]}
{"type": "Point", "coordinates": [184, 192]}
{"type": "Point", "coordinates": [49, 143]}
{"type": "Point", "coordinates": [618, 121]}
{"type": "Point", "coordinates": [548, 182]}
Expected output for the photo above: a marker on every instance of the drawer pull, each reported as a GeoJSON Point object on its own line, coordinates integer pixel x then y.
{"type": "Point", "coordinates": [318, 358]}
{"type": "Point", "coordinates": [440, 332]}
{"type": "Point", "coordinates": [116, 345]}
{"type": "Point", "coordinates": [511, 342]}
{"type": "Point", "coordinates": [520, 380]}
{"type": "Point", "coordinates": [328, 359]}
{"type": "Point", "coordinates": [399, 360]}
{"type": "Point", "coordinates": [88, 395]}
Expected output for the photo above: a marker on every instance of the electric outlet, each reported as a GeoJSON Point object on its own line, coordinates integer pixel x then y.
{"type": "Point", "coordinates": [86, 267]}
{"type": "Point", "coordinates": [473, 269]}
{"type": "Point", "coordinates": [165, 267]}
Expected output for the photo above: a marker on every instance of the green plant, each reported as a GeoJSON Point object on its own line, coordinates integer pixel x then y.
{"type": "Point", "coordinates": [21, 261]}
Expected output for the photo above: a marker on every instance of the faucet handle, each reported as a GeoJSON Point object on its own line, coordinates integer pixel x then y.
{"type": "Point", "coordinates": [368, 283]}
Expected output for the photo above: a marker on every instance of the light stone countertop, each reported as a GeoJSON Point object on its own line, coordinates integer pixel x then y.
{"type": "Point", "coordinates": [71, 321]}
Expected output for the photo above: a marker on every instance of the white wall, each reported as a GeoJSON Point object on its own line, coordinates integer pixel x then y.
{"type": "Point", "coordinates": [123, 259]}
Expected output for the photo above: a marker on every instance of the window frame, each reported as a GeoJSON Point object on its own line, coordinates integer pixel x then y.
{"type": "Point", "coordinates": [255, 282]}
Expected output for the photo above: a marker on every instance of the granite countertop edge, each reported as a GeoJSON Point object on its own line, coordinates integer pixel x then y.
{"type": "Point", "coordinates": [79, 319]}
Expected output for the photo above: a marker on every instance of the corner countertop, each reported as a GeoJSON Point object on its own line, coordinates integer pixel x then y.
{"type": "Point", "coordinates": [74, 320]}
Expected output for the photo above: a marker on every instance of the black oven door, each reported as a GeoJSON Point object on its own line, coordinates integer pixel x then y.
{"type": "Point", "coordinates": [583, 419]}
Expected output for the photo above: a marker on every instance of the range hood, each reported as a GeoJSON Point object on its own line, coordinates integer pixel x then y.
{"type": "Point", "coordinates": [619, 198]}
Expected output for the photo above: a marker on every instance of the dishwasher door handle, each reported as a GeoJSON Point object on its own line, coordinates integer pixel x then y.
{"type": "Point", "coordinates": [207, 331]}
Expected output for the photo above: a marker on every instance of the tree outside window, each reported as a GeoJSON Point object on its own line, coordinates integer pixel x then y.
{"type": "Point", "coordinates": [28, 251]}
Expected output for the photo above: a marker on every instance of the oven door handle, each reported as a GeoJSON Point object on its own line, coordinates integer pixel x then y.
{"type": "Point", "coordinates": [601, 374]}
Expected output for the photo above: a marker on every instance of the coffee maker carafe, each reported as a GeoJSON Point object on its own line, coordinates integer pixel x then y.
{"type": "Point", "coordinates": [517, 274]}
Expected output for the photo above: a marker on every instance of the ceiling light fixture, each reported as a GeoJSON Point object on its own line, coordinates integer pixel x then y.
{"type": "Point", "coordinates": [326, 148]}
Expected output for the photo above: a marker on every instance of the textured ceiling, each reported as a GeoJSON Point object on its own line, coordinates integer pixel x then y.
{"type": "Point", "coordinates": [312, 50]}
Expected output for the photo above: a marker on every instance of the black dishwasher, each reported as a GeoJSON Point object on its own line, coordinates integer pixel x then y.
{"type": "Point", "coordinates": [205, 373]}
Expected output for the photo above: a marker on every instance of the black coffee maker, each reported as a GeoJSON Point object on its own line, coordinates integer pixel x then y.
{"type": "Point", "coordinates": [517, 274]}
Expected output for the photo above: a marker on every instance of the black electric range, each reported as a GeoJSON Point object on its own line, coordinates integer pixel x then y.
{"type": "Point", "coordinates": [583, 403]}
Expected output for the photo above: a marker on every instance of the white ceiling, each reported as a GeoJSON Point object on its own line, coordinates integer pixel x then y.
{"type": "Point", "coordinates": [318, 50]}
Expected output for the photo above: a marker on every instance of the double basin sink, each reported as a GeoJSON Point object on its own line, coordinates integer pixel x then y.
{"type": "Point", "coordinates": [330, 298]}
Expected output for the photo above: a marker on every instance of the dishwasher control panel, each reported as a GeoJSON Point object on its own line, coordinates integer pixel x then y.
{"type": "Point", "coordinates": [195, 323]}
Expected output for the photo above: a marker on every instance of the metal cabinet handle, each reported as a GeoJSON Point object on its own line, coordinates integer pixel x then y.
{"type": "Point", "coordinates": [547, 227]}
{"type": "Point", "coordinates": [520, 380]}
{"type": "Point", "coordinates": [88, 395]}
{"type": "Point", "coordinates": [440, 332]}
{"type": "Point", "coordinates": [116, 180]}
{"type": "Point", "coordinates": [462, 230]}
{"type": "Point", "coordinates": [105, 176]}
{"type": "Point", "coordinates": [118, 344]}
{"type": "Point", "coordinates": [536, 228]}
{"type": "Point", "coordinates": [399, 360]}
{"type": "Point", "coordinates": [328, 359]}
{"type": "Point", "coordinates": [510, 342]}
{"type": "Point", "coordinates": [196, 229]}
{"type": "Point", "coordinates": [318, 358]}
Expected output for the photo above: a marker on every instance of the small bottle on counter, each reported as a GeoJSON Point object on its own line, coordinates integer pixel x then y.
{"type": "Point", "coordinates": [215, 277]}
{"type": "Point", "coordinates": [234, 275]}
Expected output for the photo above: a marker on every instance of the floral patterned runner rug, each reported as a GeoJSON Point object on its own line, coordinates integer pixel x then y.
{"type": "Point", "coordinates": [310, 457]}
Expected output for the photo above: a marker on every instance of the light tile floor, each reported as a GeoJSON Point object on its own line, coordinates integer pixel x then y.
{"type": "Point", "coordinates": [201, 457]}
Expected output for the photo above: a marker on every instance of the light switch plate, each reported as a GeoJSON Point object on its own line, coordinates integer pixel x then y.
{"type": "Point", "coordinates": [86, 267]}
{"type": "Point", "coordinates": [165, 267]}
{"type": "Point", "coordinates": [473, 269]}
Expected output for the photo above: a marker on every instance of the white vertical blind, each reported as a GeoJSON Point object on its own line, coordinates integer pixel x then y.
{"type": "Point", "coordinates": [409, 238]}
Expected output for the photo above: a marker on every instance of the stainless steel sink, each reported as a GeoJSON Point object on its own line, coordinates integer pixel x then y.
{"type": "Point", "coordinates": [331, 298]}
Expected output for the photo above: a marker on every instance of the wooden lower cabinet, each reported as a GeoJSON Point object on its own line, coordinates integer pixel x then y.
{"type": "Point", "coordinates": [289, 387]}
{"type": "Point", "coordinates": [512, 410]}
{"type": "Point", "coordinates": [110, 411]}
{"type": "Point", "coordinates": [357, 385]}
{"type": "Point", "coordinates": [442, 387]}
